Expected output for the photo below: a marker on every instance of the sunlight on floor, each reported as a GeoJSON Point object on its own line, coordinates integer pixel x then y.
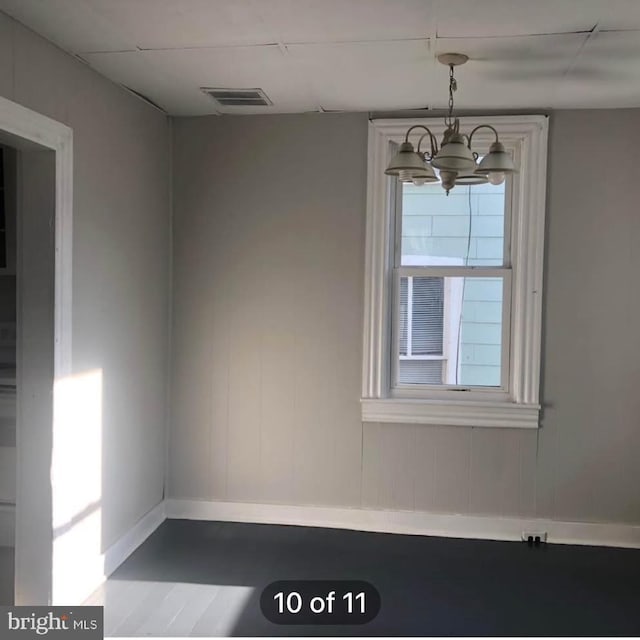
{"type": "Point", "coordinates": [146, 608]}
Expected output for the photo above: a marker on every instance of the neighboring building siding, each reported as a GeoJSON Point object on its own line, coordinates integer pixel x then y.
{"type": "Point", "coordinates": [438, 225]}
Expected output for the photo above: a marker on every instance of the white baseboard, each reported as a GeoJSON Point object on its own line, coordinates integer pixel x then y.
{"type": "Point", "coordinates": [118, 552]}
{"type": "Point", "coordinates": [408, 522]}
{"type": "Point", "coordinates": [94, 569]}
{"type": "Point", "coordinates": [7, 525]}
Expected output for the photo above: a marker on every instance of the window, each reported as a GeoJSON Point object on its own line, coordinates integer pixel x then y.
{"type": "Point", "coordinates": [451, 269]}
{"type": "Point", "coordinates": [453, 288]}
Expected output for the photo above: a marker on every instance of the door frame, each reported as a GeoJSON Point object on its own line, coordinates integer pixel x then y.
{"type": "Point", "coordinates": [30, 128]}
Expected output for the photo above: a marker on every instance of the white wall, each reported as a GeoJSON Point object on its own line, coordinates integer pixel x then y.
{"type": "Point", "coordinates": [121, 257]}
{"type": "Point", "coordinates": [268, 275]}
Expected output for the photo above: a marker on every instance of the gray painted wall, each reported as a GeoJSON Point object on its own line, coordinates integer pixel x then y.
{"type": "Point", "coordinates": [268, 251]}
{"type": "Point", "coordinates": [268, 274]}
{"type": "Point", "coordinates": [121, 257]}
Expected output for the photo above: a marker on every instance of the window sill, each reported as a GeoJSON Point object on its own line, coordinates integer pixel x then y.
{"type": "Point", "coordinates": [460, 413]}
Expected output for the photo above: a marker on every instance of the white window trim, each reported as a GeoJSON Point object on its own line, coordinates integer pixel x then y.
{"type": "Point", "coordinates": [526, 137]}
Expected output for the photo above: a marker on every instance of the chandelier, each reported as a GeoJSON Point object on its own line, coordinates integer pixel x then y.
{"type": "Point", "coordinates": [454, 163]}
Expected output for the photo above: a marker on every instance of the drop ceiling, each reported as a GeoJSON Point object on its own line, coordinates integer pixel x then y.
{"type": "Point", "coordinates": [353, 55]}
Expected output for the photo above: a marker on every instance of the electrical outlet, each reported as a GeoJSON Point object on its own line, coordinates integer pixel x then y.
{"type": "Point", "coordinates": [534, 537]}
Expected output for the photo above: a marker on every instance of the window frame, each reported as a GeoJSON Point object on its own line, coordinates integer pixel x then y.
{"type": "Point", "coordinates": [517, 405]}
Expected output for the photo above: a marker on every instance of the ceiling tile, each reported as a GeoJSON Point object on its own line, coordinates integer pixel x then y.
{"type": "Point", "coordinates": [353, 77]}
{"type": "Point", "coordinates": [172, 78]}
{"type": "Point", "coordinates": [189, 23]}
{"type": "Point", "coordinates": [321, 21]}
{"type": "Point", "coordinates": [198, 23]}
{"type": "Point", "coordinates": [72, 25]}
{"type": "Point", "coordinates": [490, 18]}
{"type": "Point", "coordinates": [114, 25]}
{"type": "Point", "coordinates": [610, 62]}
{"type": "Point", "coordinates": [510, 72]}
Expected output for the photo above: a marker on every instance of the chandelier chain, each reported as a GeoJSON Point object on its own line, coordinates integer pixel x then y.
{"type": "Point", "coordinates": [453, 85]}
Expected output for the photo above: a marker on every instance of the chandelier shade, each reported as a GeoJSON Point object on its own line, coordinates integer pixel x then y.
{"type": "Point", "coordinates": [497, 160]}
{"type": "Point", "coordinates": [454, 155]}
{"type": "Point", "coordinates": [410, 166]}
{"type": "Point", "coordinates": [406, 159]}
{"type": "Point", "coordinates": [419, 177]}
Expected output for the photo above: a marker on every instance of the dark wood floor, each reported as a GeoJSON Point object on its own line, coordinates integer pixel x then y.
{"type": "Point", "coordinates": [205, 579]}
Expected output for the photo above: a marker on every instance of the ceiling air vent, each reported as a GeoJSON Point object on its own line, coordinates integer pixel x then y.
{"type": "Point", "coordinates": [238, 97]}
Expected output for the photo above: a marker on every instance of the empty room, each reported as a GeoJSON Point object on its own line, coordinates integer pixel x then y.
{"type": "Point", "coordinates": [320, 317]}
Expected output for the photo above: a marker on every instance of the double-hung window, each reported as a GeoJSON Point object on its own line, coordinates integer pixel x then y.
{"type": "Point", "coordinates": [453, 287]}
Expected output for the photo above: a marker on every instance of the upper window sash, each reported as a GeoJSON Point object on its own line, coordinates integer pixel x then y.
{"type": "Point", "coordinates": [396, 206]}
{"type": "Point", "coordinates": [518, 404]}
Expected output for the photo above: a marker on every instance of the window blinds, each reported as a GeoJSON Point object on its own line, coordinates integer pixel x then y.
{"type": "Point", "coordinates": [421, 330]}
{"type": "Point", "coordinates": [427, 316]}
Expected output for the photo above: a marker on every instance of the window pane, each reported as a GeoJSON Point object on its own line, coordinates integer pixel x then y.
{"type": "Point", "coordinates": [481, 332]}
{"type": "Point", "coordinates": [464, 228]}
{"type": "Point", "coordinates": [450, 331]}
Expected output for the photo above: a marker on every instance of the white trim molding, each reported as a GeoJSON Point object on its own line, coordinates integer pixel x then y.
{"type": "Point", "coordinates": [120, 550]}
{"type": "Point", "coordinates": [463, 413]}
{"type": "Point", "coordinates": [94, 573]}
{"type": "Point", "coordinates": [517, 404]}
{"type": "Point", "coordinates": [28, 125]}
{"type": "Point", "coordinates": [409, 522]}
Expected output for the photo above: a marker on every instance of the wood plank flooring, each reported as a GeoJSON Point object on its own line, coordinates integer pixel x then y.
{"type": "Point", "coordinates": [205, 579]}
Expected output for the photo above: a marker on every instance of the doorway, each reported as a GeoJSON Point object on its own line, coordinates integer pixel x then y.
{"type": "Point", "coordinates": [42, 149]}
{"type": "Point", "coordinates": [8, 306]}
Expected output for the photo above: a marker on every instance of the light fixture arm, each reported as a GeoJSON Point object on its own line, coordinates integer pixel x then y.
{"type": "Point", "coordinates": [483, 126]}
{"type": "Point", "coordinates": [415, 126]}
{"type": "Point", "coordinates": [432, 140]}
